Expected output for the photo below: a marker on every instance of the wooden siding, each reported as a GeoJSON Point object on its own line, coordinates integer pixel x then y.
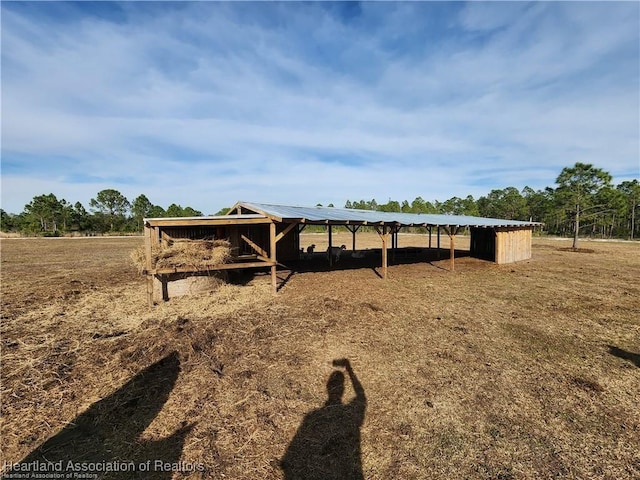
{"type": "Point", "coordinates": [512, 244]}
{"type": "Point", "coordinates": [288, 247]}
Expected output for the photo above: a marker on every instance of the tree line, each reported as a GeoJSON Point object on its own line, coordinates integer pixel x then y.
{"type": "Point", "coordinates": [109, 211]}
{"type": "Point", "coordinates": [583, 202]}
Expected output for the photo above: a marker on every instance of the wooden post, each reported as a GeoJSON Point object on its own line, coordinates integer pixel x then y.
{"type": "Point", "coordinates": [451, 231]}
{"type": "Point", "coordinates": [353, 231]}
{"type": "Point", "coordinates": [272, 251]}
{"type": "Point", "coordinates": [438, 242]}
{"type": "Point", "coordinates": [429, 237]}
{"type": "Point", "coordinates": [394, 242]}
{"type": "Point", "coordinates": [149, 264]}
{"type": "Point", "coordinates": [452, 251]}
{"type": "Point", "coordinates": [384, 251]}
{"type": "Point", "coordinates": [164, 280]}
{"type": "Point", "coordinates": [329, 249]}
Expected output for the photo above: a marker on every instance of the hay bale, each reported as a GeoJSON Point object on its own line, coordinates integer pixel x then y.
{"type": "Point", "coordinates": [139, 258]}
{"type": "Point", "coordinates": [199, 254]}
{"type": "Point", "coordinates": [187, 284]}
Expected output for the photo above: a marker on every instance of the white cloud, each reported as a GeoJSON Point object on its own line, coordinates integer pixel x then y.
{"type": "Point", "coordinates": [211, 103]}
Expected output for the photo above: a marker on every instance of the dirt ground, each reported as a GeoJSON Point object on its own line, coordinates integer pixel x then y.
{"type": "Point", "coordinates": [521, 371]}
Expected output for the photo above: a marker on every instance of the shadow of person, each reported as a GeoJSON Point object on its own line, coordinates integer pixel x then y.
{"type": "Point", "coordinates": [327, 443]}
{"type": "Point", "coordinates": [106, 435]}
{"type": "Point", "coordinates": [625, 355]}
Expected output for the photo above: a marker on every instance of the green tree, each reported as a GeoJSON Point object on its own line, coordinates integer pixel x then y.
{"type": "Point", "coordinates": [174, 210]}
{"type": "Point", "coordinates": [539, 204]}
{"type": "Point", "coordinates": [66, 214]}
{"type": "Point", "coordinates": [157, 212]}
{"type": "Point", "coordinates": [458, 206]}
{"type": "Point", "coordinates": [191, 212]}
{"type": "Point", "coordinates": [44, 213]}
{"type": "Point", "coordinates": [611, 210]}
{"type": "Point", "coordinates": [469, 206]}
{"type": "Point", "coordinates": [140, 208]}
{"type": "Point", "coordinates": [7, 221]}
{"type": "Point", "coordinates": [576, 191]}
{"type": "Point", "coordinates": [222, 211]}
{"type": "Point", "coordinates": [631, 191]}
{"type": "Point", "coordinates": [507, 203]}
{"type": "Point", "coordinates": [419, 205]}
{"type": "Point", "coordinates": [390, 206]}
{"type": "Point", "coordinates": [112, 204]}
{"type": "Point", "coordinates": [451, 206]}
{"type": "Point", "coordinates": [80, 217]}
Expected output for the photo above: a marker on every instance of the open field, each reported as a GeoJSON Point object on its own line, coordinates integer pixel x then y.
{"type": "Point", "coordinates": [521, 371]}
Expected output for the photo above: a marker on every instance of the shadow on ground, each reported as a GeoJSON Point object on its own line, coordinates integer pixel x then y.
{"type": "Point", "coordinates": [372, 259]}
{"type": "Point", "coordinates": [106, 436]}
{"type": "Point", "coordinates": [630, 356]}
{"type": "Point", "coordinates": [327, 443]}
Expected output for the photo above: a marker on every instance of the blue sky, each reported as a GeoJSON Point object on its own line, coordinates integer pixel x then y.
{"type": "Point", "coordinates": [204, 103]}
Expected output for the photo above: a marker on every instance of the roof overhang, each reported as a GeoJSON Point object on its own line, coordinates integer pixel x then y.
{"type": "Point", "coordinates": [217, 220]}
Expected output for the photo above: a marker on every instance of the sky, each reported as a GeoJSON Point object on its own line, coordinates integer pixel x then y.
{"type": "Point", "coordinates": [205, 103]}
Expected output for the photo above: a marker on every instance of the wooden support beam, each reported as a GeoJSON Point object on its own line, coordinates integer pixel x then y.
{"type": "Point", "coordinates": [452, 252]}
{"type": "Point", "coordinates": [273, 243]}
{"type": "Point", "coordinates": [222, 266]}
{"type": "Point", "coordinates": [165, 239]}
{"type": "Point", "coordinates": [149, 264]}
{"type": "Point", "coordinates": [164, 281]}
{"type": "Point", "coordinates": [452, 232]}
{"type": "Point", "coordinates": [353, 231]}
{"type": "Point", "coordinates": [329, 249]}
{"type": "Point", "coordinates": [201, 222]}
{"type": "Point", "coordinates": [255, 246]}
{"type": "Point", "coordinates": [384, 252]}
{"type": "Point", "coordinates": [353, 243]}
{"type": "Point", "coordinates": [429, 228]}
{"type": "Point", "coordinates": [438, 242]}
{"type": "Point", "coordinates": [385, 242]}
{"type": "Point", "coordinates": [394, 242]}
{"type": "Point", "coordinates": [285, 231]}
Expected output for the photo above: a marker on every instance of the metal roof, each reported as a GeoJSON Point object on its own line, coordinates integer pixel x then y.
{"type": "Point", "coordinates": [286, 213]}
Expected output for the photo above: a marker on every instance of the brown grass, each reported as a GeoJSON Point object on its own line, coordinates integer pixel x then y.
{"type": "Point", "coordinates": [518, 371]}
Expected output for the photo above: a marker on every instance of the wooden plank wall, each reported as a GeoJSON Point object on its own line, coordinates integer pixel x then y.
{"type": "Point", "coordinates": [288, 247]}
{"type": "Point", "coordinates": [196, 233]}
{"type": "Point", "coordinates": [513, 244]}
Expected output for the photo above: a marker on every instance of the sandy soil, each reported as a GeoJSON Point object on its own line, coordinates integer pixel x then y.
{"type": "Point", "coordinates": [521, 371]}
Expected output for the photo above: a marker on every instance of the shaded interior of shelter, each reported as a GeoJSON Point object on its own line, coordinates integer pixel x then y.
{"type": "Point", "coordinates": [370, 258]}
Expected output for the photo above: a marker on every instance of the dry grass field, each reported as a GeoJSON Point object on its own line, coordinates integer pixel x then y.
{"type": "Point", "coordinates": [522, 371]}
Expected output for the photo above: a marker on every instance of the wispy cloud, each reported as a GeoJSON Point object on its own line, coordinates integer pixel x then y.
{"type": "Point", "coordinates": [204, 103]}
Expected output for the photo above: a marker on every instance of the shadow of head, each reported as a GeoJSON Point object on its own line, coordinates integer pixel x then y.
{"type": "Point", "coordinates": [335, 388]}
{"type": "Point", "coordinates": [625, 355]}
{"type": "Point", "coordinates": [110, 428]}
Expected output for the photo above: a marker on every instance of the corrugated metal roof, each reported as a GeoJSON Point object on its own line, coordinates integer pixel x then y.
{"type": "Point", "coordinates": [329, 214]}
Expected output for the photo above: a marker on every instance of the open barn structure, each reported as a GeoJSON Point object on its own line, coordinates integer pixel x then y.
{"type": "Point", "coordinates": [266, 236]}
